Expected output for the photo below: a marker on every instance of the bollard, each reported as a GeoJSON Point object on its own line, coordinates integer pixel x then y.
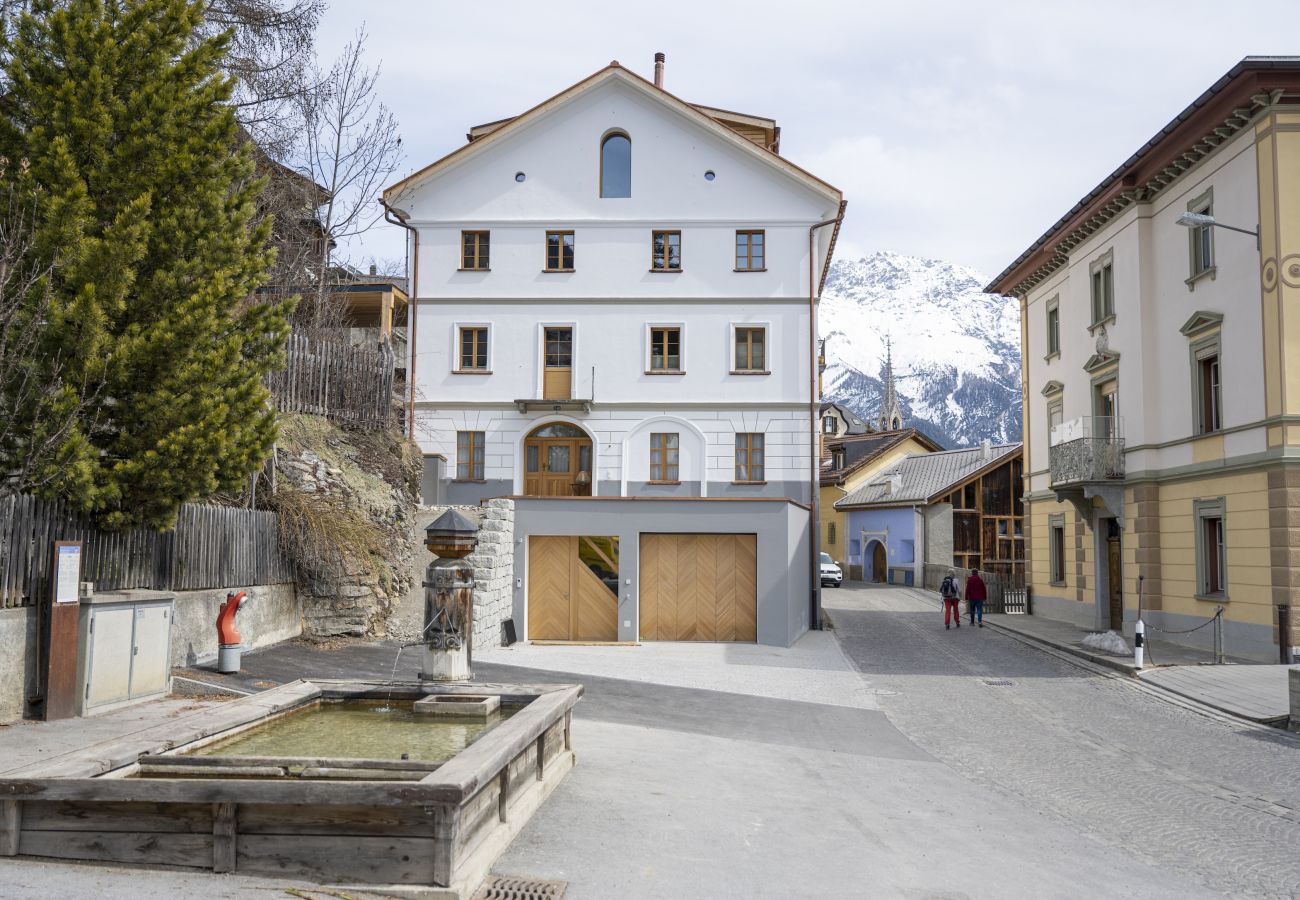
{"type": "Point", "coordinates": [1139, 637]}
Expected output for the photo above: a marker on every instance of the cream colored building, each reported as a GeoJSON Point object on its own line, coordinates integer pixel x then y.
{"type": "Point", "coordinates": [1162, 378]}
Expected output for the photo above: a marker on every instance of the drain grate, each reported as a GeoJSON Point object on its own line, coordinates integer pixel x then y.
{"type": "Point", "coordinates": [512, 887]}
{"type": "Point", "coordinates": [998, 682]}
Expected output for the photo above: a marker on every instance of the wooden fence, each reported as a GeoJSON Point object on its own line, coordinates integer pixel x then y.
{"type": "Point", "coordinates": [210, 547]}
{"type": "Point", "coordinates": [349, 384]}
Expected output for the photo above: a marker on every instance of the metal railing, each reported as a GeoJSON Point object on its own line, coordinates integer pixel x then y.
{"type": "Point", "coordinates": [1087, 450]}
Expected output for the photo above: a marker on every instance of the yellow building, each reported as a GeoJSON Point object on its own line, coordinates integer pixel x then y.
{"type": "Point", "coordinates": [1161, 378]}
{"type": "Point", "coordinates": [848, 463]}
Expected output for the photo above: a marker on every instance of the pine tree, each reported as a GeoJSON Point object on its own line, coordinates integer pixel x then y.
{"type": "Point", "coordinates": [147, 210]}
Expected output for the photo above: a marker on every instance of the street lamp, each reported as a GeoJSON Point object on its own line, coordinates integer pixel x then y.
{"type": "Point", "coordinates": [1198, 220]}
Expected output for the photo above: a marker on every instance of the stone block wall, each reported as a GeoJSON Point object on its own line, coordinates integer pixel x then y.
{"type": "Point", "coordinates": [494, 571]}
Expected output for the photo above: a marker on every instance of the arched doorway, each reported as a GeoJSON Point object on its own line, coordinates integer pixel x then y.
{"type": "Point", "coordinates": [557, 461]}
{"type": "Point", "coordinates": [879, 564]}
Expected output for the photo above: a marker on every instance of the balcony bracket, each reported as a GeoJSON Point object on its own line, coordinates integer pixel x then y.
{"type": "Point", "coordinates": [1082, 498]}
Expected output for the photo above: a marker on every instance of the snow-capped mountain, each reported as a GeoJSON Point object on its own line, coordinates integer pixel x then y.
{"type": "Point", "coordinates": [956, 350]}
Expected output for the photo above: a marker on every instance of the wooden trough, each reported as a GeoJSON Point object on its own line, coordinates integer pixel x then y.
{"type": "Point", "coordinates": [378, 822]}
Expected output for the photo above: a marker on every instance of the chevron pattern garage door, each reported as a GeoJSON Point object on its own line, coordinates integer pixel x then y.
{"type": "Point", "coordinates": [567, 601]}
{"type": "Point", "coordinates": [699, 587]}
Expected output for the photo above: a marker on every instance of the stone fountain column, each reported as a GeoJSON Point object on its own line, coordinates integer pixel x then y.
{"type": "Point", "coordinates": [448, 599]}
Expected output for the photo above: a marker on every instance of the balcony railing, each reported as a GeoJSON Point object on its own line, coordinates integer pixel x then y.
{"type": "Point", "coordinates": [1086, 450]}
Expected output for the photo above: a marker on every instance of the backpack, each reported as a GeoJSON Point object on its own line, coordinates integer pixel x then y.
{"type": "Point", "coordinates": [949, 587]}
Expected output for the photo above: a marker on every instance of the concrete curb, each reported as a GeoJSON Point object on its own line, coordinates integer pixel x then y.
{"type": "Point", "coordinates": [1116, 667]}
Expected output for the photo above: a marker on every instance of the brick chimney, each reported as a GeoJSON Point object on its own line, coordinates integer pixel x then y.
{"type": "Point", "coordinates": [659, 70]}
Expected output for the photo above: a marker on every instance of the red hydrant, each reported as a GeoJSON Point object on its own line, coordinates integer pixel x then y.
{"type": "Point", "coordinates": [228, 647]}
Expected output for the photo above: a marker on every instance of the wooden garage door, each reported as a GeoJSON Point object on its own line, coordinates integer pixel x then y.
{"type": "Point", "coordinates": [567, 600]}
{"type": "Point", "coordinates": [699, 587]}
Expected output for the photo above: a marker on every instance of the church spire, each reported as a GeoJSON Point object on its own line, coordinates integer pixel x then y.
{"type": "Point", "coordinates": [891, 416]}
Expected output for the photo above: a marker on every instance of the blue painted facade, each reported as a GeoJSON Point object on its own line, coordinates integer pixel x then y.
{"type": "Point", "coordinates": [900, 541]}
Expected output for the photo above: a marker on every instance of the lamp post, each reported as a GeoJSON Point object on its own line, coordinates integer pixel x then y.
{"type": "Point", "coordinates": [1200, 220]}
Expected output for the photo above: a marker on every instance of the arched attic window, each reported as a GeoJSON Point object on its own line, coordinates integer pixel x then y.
{"type": "Point", "coordinates": [616, 165]}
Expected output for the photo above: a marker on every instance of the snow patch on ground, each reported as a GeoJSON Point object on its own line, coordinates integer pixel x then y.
{"type": "Point", "coordinates": [1111, 642]}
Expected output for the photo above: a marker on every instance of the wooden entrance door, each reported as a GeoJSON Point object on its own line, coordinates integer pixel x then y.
{"type": "Point", "coordinates": [569, 588]}
{"type": "Point", "coordinates": [557, 365]}
{"type": "Point", "coordinates": [557, 462]}
{"type": "Point", "coordinates": [879, 564]}
{"type": "Point", "coordinates": [1115, 576]}
{"type": "Point", "coordinates": [699, 587]}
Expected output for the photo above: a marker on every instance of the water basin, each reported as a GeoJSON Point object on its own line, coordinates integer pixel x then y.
{"type": "Point", "coordinates": [358, 729]}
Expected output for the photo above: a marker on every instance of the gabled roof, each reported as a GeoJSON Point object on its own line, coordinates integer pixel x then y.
{"type": "Point", "coordinates": [860, 450]}
{"type": "Point", "coordinates": [616, 71]}
{"type": "Point", "coordinates": [924, 478]}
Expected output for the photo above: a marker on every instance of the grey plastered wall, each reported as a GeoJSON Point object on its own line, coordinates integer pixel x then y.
{"type": "Point", "coordinates": [796, 490]}
{"type": "Point", "coordinates": [938, 534]}
{"type": "Point", "coordinates": [17, 661]}
{"type": "Point", "coordinates": [272, 614]}
{"type": "Point", "coordinates": [1242, 639]}
{"type": "Point", "coordinates": [472, 493]}
{"type": "Point", "coordinates": [782, 534]}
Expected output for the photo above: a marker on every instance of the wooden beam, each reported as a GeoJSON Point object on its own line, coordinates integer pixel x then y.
{"type": "Point", "coordinates": [11, 824]}
{"type": "Point", "coordinates": [224, 837]}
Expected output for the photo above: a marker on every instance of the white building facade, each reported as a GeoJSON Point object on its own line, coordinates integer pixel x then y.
{"type": "Point", "coordinates": [613, 297]}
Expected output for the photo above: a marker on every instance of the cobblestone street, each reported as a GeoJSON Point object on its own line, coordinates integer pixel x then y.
{"type": "Point", "coordinates": [1187, 793]}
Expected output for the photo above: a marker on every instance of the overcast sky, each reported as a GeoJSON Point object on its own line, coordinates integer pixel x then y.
{"type": "Point", "coordinates": [957, 130]}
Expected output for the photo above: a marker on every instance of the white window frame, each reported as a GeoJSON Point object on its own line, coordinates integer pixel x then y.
{"type": "Point", "coordinates": [1053, 306]}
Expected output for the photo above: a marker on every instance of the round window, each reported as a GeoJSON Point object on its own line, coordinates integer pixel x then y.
{"type": "Point", "coordinates": [709, 175]}
{"type": "Point", "coordinates": [520, 176]}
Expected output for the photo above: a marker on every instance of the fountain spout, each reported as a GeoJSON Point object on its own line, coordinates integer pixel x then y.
{"type": "Point", "coordinates": [449, 599]}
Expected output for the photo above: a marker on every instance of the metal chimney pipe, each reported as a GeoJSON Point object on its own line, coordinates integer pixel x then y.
{"type": "Point", "coordinates": [659, 70]}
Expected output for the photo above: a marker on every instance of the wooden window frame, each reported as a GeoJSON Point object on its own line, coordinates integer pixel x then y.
{"type": "Point", "coordinates": [470, 444]}
{"type": "Point", "coordinates": [745, 263]}
{"type": "Point", "coordinates": [560, 255]}
{"type": "Point", "coordinates": [481, 256]}
{"type": "Point", "coordinates": [664, 442]}
{"type": "Point", "coordinates": [651, 342]}
{"type": "Point", "coordinates": [834, 429]}
{"type": "Point", "coordinates": [1211, 518]}
{"type": "Point", "coordinates": [668, 234]}
{"type": "Point", "coordinates": [750, 369]}
{"type": "Point", "coordinates": [600, 184]}
{"type": "Point", "coordinates": [479, 352]}
{"type": "Point", "coordinates": [749, 443]}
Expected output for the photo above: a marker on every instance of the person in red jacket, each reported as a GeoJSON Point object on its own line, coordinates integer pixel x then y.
{"type": "Point", "coordinates": [975, 594]}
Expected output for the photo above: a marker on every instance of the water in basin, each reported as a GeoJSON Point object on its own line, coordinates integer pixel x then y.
{"type": "Point", "coordinates": [358, 730]}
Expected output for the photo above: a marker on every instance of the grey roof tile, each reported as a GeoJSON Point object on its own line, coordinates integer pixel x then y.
{"type": "Point", "coordinates": [921, 476]}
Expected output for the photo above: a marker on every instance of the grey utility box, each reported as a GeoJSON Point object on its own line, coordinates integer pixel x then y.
{"type": "Point", "coordinates": [125, 649]}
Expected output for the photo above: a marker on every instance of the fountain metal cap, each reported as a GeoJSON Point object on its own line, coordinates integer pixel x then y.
{"type": "Point", "coordinates": [452, 535]}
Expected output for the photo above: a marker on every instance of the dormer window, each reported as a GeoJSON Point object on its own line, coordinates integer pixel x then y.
{"type": "Point", "coordinates": [616, 165]}
{"type": "Point", "coordinates": [837, 458]}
